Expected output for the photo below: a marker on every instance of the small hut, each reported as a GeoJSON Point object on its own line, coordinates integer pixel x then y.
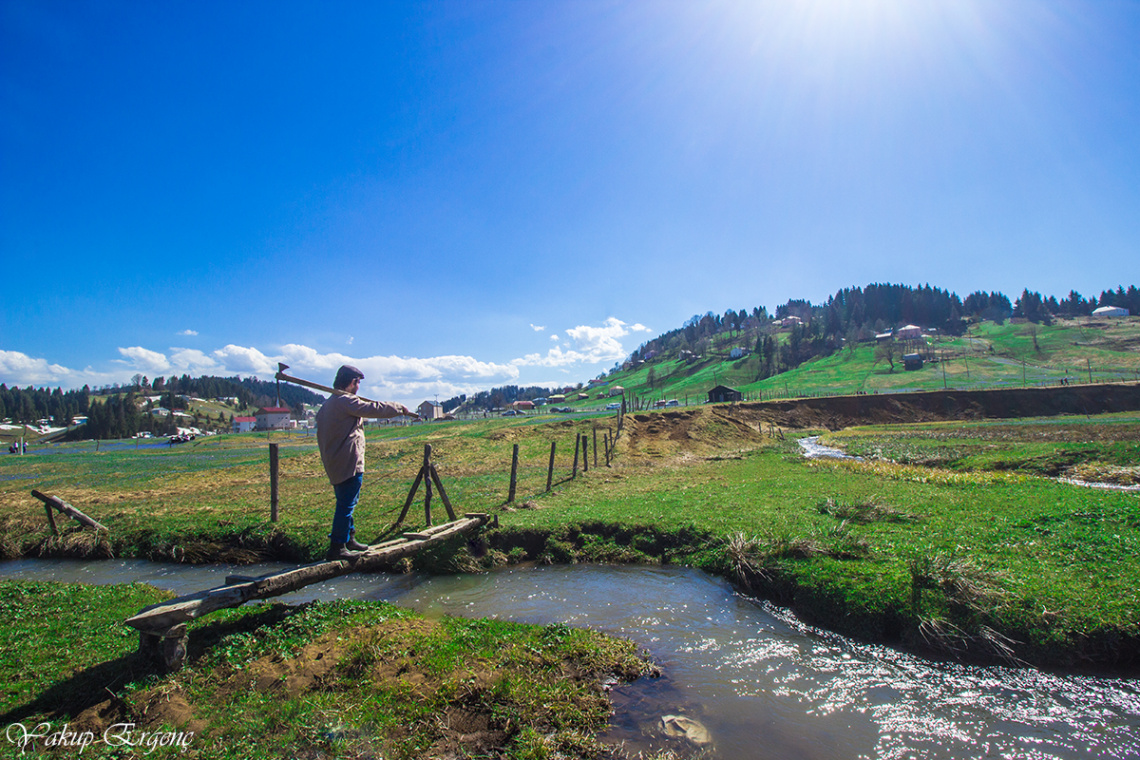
{"type": "Point", "coordinates": [723, 393]}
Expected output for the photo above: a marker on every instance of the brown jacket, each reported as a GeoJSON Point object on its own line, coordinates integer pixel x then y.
{"type": "Point", "coordinates": [340, 433]}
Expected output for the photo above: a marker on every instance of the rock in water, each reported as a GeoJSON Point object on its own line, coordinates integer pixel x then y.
{"type": "Point", "coordinates": [686, 728]}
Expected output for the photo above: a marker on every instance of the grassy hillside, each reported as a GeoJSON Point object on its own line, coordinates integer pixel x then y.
{"type": "Point", "coordinates": [988, 355]}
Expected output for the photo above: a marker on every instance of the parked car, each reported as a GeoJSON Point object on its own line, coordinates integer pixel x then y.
{"type": "Point", "coordinates": [513, 413]}
{"type": "Point", "coordinates": [615, 405]}
{"type": "Point", "coordinates": [561, 409]}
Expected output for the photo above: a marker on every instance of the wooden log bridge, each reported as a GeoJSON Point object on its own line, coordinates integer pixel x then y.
{"type": "Point", "coordinates": [162, 626]}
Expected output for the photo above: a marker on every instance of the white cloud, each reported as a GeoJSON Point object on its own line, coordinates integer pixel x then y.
{"type": "Point", "coordinates": [350, 339]}
{"type": "Point", "coordinates": [538, 328]}
{"type": "Point", "coordinates": [192, 360]}
{"type": "Point", "coordinates": [17, 368]}
{"type": "Point", "coordinates": [397, 378]}
{"type": "Point", "coordinates": [408, 380]}
{"type": "Point", "coordinates": [586, 345]}
{"type": "Point", "coordinates": [144, 360]}
{"type": "Point", "coordinates": [245, 361]}
{"type": "Point", "coordinates": [188, 332]}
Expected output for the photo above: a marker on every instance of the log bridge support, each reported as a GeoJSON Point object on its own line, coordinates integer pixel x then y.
{"type": "Point", "coordinates": [54, 502]}
{"type": "Point", "coordinates": [162, 627]}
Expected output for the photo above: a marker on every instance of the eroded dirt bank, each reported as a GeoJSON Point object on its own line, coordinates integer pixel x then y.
{"type": "Point", "coordinates": [704, 430]}
{"type": "Point", "coordinates": [839, 412]}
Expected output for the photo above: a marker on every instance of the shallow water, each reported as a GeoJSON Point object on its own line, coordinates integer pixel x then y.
{"type": "Point", "coordinates": [765, 685]}
{"type": "Point", "coordinates": [813, 449]}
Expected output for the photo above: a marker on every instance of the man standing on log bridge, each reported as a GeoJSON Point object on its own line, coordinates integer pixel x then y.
{"type": "Point", "coordinates": [340, 438]}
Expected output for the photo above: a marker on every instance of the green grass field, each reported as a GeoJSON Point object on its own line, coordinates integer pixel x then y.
{"type": "Point", "coordinates": [949, 538]}
{"type": "Point", "coordinates": [987, 356]}
{"type": "Point", "coordinates": [1049, 560]}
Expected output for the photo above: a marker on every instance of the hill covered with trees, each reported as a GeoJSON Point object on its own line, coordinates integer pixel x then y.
{"type": "Point", "coordinates": [752, 343]}
{"type": "Point", "coordinates": [856, 315]}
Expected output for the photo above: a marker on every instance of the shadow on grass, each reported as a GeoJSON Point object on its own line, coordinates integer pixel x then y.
{"type": "Point", "coordinates": [86, 688]}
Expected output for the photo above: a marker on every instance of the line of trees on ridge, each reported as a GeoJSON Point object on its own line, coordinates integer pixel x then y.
{"type": "Point", "coordinates": [118, 411]}
{"type": "Point", "coordinates": [856, 315]}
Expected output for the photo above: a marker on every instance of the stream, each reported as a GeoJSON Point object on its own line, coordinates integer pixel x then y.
{"type": "Point", "coordinates": [763, 684]}
{"type": "Point", "coordinates": [811, 448]}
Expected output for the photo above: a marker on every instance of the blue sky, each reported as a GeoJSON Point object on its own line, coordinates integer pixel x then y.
{"type": "Point", "coordinates": [457, 195]}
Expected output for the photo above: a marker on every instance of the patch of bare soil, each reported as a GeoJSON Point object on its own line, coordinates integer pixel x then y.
{"type": "Point", "coordinates": [702, 431]}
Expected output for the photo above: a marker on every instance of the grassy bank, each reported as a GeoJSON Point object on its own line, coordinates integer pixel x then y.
{"type": "Point", "coordinates": [930, 549]}
{"type": "Point", "coordinates": [344, 679]}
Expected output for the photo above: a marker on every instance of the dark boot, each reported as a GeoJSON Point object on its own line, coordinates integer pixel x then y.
{"type": "Point", "coordinates": [338, 550]}
{"type": "Point", "coordinates": [355, 545]}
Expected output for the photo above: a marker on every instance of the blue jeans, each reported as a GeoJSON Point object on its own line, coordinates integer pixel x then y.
{"type": "Point", "coordinates": [347, 494]}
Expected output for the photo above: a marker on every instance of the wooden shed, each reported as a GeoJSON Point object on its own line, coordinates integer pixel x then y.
{"type": "Point", "coordinates": [723, 393]}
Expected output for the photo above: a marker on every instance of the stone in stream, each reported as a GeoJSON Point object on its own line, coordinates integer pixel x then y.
{"type": "Point", "coordinates": [686, 728]}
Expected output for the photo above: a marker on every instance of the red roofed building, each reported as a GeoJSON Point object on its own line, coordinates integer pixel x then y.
{"type": "Point", "coordinates": [273, 418]}
{"type": "Point", "coordinates": [244, 424]}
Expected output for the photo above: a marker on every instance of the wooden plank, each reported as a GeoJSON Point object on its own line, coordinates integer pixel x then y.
{"type": "Point", "coordinates": [432, 530]}
{"type": "Point", "coordinates": [67, 509]}
{"type": "Point", "coordinates": [162, 616]}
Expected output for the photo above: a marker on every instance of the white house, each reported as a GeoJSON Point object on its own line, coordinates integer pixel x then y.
{"type": "Point", "coordinates": [244, 424]}
{"type": "Point", "coordinates": [273, 418]}
{"type": "Point", "coordinates": [738, 352]}
{"type": "Point", "coordinates": [910, 332]}
{"type": "Point", "coordinates": [1110, 311]}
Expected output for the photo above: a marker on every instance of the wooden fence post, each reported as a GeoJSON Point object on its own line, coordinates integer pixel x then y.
{"type": "Point", "coordinates": [514, 473]}
{"type": "Point", "coordinates": [585, 453]}
{"type": "Point", "coordinates": [595, 448]}
{"type": "Point", "coordinates": [274, 469]}
{"type": "Point", "coordinates": [550, 469]}
{"type": "Point", "coordinates": [51, 520]}
{"type": "Point", "coordinates": [577, 446]}
{"type": "Point", "coordinates": [427, 483]}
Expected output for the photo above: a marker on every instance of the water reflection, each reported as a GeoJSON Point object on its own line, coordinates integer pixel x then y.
{"type": "Point", "coordinates": [765, 685]}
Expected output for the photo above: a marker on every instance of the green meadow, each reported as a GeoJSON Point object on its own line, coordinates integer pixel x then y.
{"type": "Point", "coordinates": [954, 539]}
{"type": "Point", "coordinates": [878, 548]}
{"type": "Point", "coordinates": [988, 355]}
